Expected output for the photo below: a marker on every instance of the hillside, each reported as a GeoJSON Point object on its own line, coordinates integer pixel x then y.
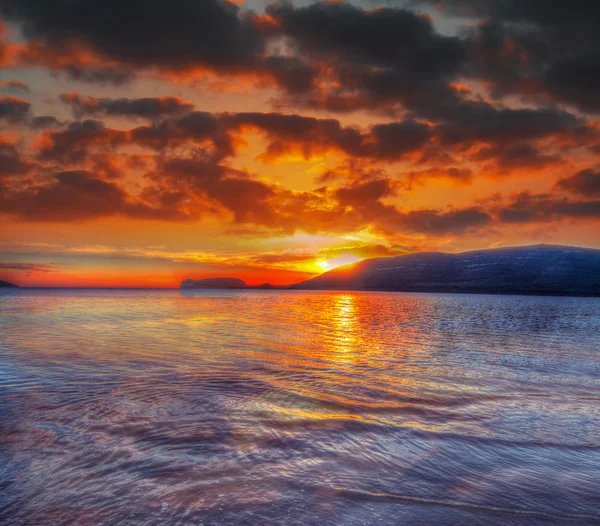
{"type": "Point", "coordinates": [538, 269]}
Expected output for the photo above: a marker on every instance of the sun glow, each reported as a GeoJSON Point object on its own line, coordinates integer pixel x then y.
{"type": "Point", "coordinates": [346, 259]}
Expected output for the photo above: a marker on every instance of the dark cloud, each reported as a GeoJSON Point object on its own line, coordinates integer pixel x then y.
{"type": "Point", "coordinates": [376, 58]}
{"type": "Point", "coordinates": [329, 55]}
{"type": "Point", "coordinates": [326, 55]}
{"type": "Point", "coordinates": [77, 195]}
{"type": "Point", "coordinates": [531, 208]}
{"type": "Point", "coordinates": [285, 132]}
{"type": "Point", "coordinates": [585, 183]}
{"type": "Point", "coordinates": [79, 139]}
{"type": "Point", "coordinates": [359, 205]}
{"type": "Point", "coordinates": [194, 127]}
{"type": "Point", "coordinates": [435, 222]}
{"type": "Point", "coordinates": [535, 47]}
{"type": "Point", "coordinates": [397, 38]}
{"type": "Point", "coordinates": [292, 74]}
{"type": "Point", "coordinates": [390, 141]}
{"type": "Point", "coordinates": [97, 74]}
{"type": "Point", "coordinates": [184, 183]}
{"type": "Point", "coordinates": [175, 34]}
{"type": "Point", "coordinates": [29, 268]}
{"type": "Point", "coordinates": [148, 107]}
{"type": "Point", "coordinates": [287, 125]}
{"type": "Point", "coordinates": [11, 161]}
{"type": "Point", "coordinates": [483, 122]}
{"type": "Point", "coordinates": [180, 188]}
{"type": "Point", "coordinates": [13, 109]}
{"type": "Point", "coordinates": [576, 80]}
{"type": "Point", "coordinates": [15, 86]}
{"type": "Point", "coordinates": [500, 139]}
{"type": "Point", "coordinates": [73, 195]}
{"type": "Point", "coordinates": [538, 12]}
{"type": "Point", "coordinates": [519, 156]}
{"type": "Point", "coordinates": [384, 141]}
{"type": "Point", "coordinates": [364, 200]}
{"type": "Point", "coordinates": [309, 133]}
{"type": "Point", "coordinates": [363, 194]}
{"type": "Point", "coordinates": [44, 122]}
{"type": "Point", "coordinates": [75, 142]}
{"type": "Point", "coordinates": [247, 199]}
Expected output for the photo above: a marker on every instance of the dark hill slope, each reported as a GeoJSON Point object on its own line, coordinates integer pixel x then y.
{"type": "Point", "coordinates": [538, 269]}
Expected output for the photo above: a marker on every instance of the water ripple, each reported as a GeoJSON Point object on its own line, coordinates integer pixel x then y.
{"type": "Point", "coordinates": [156, 407]}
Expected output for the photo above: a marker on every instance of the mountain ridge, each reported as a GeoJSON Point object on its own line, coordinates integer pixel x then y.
{"type": "Point", "coordinates": [533, 269]}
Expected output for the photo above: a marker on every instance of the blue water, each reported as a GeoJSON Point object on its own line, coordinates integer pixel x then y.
{"type": "Point", "coordinates": [122, 407]}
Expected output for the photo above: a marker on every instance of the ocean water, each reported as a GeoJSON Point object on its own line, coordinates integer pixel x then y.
{"type": "Point", "coordinates": [122, 407]}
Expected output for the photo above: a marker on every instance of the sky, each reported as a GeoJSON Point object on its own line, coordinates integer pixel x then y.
{"type": "Point", "coordinates": [143, 142]}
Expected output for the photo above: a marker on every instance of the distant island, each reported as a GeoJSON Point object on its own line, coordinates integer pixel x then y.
{"type": "Point", "coordinates": [214, 283]}
{"type": "Point", "coordinates": [7, 285]}
{"type": "Point", "coordinates": [224, 283]}
{"type": "Point", "coordinates": [537, 269]}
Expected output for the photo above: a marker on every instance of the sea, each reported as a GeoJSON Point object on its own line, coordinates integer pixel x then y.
{"type": "Point", "coordinates": [169, 407]}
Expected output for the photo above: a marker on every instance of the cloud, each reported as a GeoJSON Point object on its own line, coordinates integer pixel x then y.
{"type": "Point", "coordinates": [391, 141]}
{"type": "Point", "coordinates": [77, 195]}
{"type": "Point", "coordinates": [188, 172]}
{"type": "Point", "coordinates": [197, 127]}
{"type": "Point", "coordinates": [29, 268]}
{"type": "Point", "coordinates": [377, 58]}
{"type": "Point", "coordinates": [435, 222]}
{"type": "Point", "coordinates": [585, 183]}
{"type": "Point", "coordinates": [14, 86]}
{"type": "Point", "coordinates": [11, 161]}
{"type": "Point", "coordinates": [526, 207]}
{"type": "Point", "coordinates": [13, 109]}
{"type": "Point", "coordinates": [185, 188]}
{"type": "Point", "coordinates": [179, 34]}
{"type": "Point", "coordinates": [308, 136]}
{"type": "Point", "coordinates": [287, 134]}
{"type": "Point", "coordinates": [148, 107]}
{"type": "Point", "coordinates": [539, 49]}
{"type": "Point", "coordinates": [75, 142]}
{"type": "Point", "coordinates": [520, 156]}
{"type": "Point", "coordinates": [373, 58]}
{"type": "Point", "coordinates": [95, 73]}
{"type": "Point", "coordinates": [576, 80]}
{"type": "Point", "coordinates": [483, 122]}
{"type": "Point", "coordinates": [456, 175]}
{"type": "Point", "coordinates": [45, 122]}
{"type": "Point", "coordinates": [360, 194]}
{"type": "Point", "coordinates": [326, 55]}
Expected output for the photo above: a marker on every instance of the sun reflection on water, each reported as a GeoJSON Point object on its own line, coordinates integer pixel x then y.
{"type": "Point", "coordinates": [228, 407]}
{"type": "Point", "coordinates": [343, 315]}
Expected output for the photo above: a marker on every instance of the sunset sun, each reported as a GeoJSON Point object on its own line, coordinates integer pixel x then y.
{"type": "Point", "coordinates": [330, 264]}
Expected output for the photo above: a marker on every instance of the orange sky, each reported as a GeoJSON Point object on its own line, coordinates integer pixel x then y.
{"type": "Point", "coordinates": [286, 149]}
